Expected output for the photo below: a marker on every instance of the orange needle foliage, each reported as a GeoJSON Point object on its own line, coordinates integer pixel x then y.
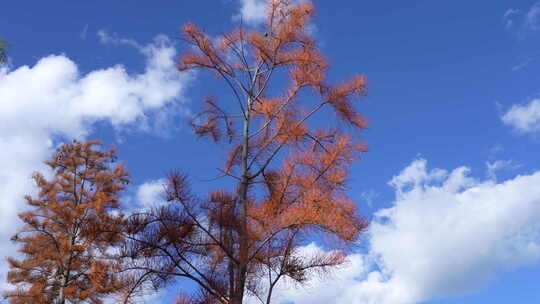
{"type": "Point", "coordinates": [290, 172]}
{"type": "Point", "coordinates": [68, 229]}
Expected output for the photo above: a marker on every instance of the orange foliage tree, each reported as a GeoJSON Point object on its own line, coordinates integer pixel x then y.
{"type": "Point", "coordinates": [290, 171]}
{"type": "Point", "coordinates": [69, 227]}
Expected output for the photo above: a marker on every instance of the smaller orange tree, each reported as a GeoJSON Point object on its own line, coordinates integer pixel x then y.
{"type": "Point", "coordinates": [68, 229]}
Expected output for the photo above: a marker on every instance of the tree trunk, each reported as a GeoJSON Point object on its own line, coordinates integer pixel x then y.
{"type": "Point", "coordinates": [242, 213]}
{"type": "Point", "coordinates": [61, 296]}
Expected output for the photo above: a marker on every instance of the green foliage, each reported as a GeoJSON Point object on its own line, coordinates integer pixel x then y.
{"type": "Point", "coordinates": [3, 49]}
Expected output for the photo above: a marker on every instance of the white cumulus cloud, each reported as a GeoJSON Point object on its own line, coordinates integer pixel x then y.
{"type": "Point", "coordinates": [151, 193]}
{"type": "Point", "coordinates": [255, 12]}
{"type": "Point", "coordinates": [53, 98]}
{"type": "Point", "coordinates": [447, 234]}
{"type": "Point", "coordinates": [252, 12]}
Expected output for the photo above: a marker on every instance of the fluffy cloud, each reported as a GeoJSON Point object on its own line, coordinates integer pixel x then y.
{"type": "Point", "coordinates": [252, 12]}
{"type": "Point", "coordinates": [524, 118]}
{"type": "Point", "coordinates": [446, 234]}
{"type": "Point", "coordinates": [53, 99]}
{"type": "Point", "coordinates": [151, 193]}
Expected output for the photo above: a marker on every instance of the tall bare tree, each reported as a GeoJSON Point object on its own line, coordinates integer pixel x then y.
{"type": "Point", "coordinates": [289, 157]}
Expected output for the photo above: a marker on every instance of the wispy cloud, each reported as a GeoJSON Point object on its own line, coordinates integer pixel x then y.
{"type": "Point", "coordinates": [524, 118]}
{"type": "Point", "coordinates": [495, 149]}
{"type": "Point", "coordinates": [523, 64]}
{"type": "Point", "coordinates": [498, 165]}
{"type": "Point", "coordinates": [509, 17]}
{"type": "Point", "coordinates": [369, 197]}
{"type": "Point", "coordinates": [84, 32]}
{"type": "Point", "coordinates": [528, 19]}
{"type": "Point", "coordinates": [532, 17]}
{"type": "Point", "coordinates": [107, 38]}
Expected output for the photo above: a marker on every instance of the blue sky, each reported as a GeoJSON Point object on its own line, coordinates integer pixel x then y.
{"type": "Point", "coordinates": [451, 175]}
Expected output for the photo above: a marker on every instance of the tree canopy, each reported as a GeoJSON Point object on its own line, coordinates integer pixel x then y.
{"type": "Point", "coordinates": [290, 171]}
{"type": "Point", "coordinates": [3, 51]}
{"type": "Point", "coordinates": [287, 167]}
{"type": "Point", "coordinates": [68, 229]}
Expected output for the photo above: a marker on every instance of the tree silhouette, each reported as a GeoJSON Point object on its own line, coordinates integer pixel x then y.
{"type": "Point", "coordinates": [70, 225]}
{"type": "Point", "coordinates": [3, 50]}
{"type": "Point", "coordinates": [290, 168]}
